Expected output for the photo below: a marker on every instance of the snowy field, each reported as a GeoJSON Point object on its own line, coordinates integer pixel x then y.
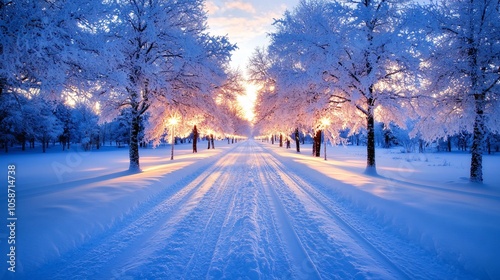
{"type": "Point", "coordinates": [252, 210]}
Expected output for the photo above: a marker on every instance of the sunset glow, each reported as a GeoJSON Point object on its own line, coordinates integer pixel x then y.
{"type": "Point", "coordinates": [246, 24]}
{"type": "Point", "coordinates": [247, 101]}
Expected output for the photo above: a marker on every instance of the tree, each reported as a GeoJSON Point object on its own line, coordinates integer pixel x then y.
{"type": "Point", "coordinates": [463, 74]}
{"type": "Point", "coordinates": [44, 44]}
{"type": "Point", "coordinates": [195, 139]}
{"type": "Point", "coordinates": [46, 126]}
{"type": "Point", "coordinates": [159, 48]}
{"type": "Point", "coordinates": [297, 140]}
{"type": "Point", "coordinates": [270, 117]}
{"type": "Point", "coordinates": [120, 128]}
{"type": "Point", "coordinates": [46, 49]}
{"type": "Point", "coordinates": [352, 58]}
{"type": "Point", "coordinates": [230, 120]}
{"type": "Point", "coordinates": [11, 119]}
{"type": "Point", "coordinates": [86, 126]}
{"type": "Point", "coordinates": [65, 115]}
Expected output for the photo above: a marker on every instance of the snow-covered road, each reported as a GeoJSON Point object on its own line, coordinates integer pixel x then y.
{"type": "Point", "coordinates": [247, 215]}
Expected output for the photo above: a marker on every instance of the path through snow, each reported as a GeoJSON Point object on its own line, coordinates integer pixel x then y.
{"type": "Point", "coordinates": [248, 215]}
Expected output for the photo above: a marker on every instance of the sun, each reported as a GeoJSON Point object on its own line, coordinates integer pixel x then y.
{"type": "Point", "coordinates": [247, 101]}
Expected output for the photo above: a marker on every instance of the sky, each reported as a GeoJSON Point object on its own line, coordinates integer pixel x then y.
{"type": "Point", "coordinates": [247, 24]}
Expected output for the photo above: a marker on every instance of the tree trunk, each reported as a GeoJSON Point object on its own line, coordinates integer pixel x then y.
{"type": "Point", "coordinates": [272, 140]}
{"type": "Point", "coordinates": [212, 141]}
{"type": "Point", "coordinates": [208, 140]}
{"type": "Point", "coordinates": [314, 145]}
{"type": "Point", "coordinates": [488, 143]}
{"type": "Point", "coordinates": [104, 135]}
{"type": "Point", "coordinates": [370, 147]}
{"type": "Point", "coordinates": [134, 142]}
{"type": "Point", "coordinates": [387, 139]}
{"type": "Point", "coordinates": [476, 166]}
{"type": "Point", "coordinates": [297, 140]}
{"type": "Point", "coordinates": [281, 140]}
{"type": "Point", "coordinates": [449, 144]}
{"type": "Point", "coordinates": [317, 143]}
{"type": "Point", "coordinates": [23, 141]}
{"type": "Point", "coordinates": [195, 139]}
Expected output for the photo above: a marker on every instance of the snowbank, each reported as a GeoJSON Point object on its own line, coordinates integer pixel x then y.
{"type": "Point", "coordinates": [66, 198]}
{"type": "Point", "coordinates": [424, 197]}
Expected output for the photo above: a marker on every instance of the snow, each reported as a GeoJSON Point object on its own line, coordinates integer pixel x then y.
{"type": "Point", "coordinates": [253, 210]}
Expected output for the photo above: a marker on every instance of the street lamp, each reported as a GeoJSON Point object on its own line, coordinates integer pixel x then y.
{"type": "Point", "coordinates": [173, 122]}
{"type": "Point", "coordinates": [325, 122]}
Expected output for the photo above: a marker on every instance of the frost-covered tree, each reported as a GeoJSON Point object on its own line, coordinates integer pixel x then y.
{"type": "Point", "coordinates": [86, 128]}
{"type": "Point", "coordinates": [161, 54]}
{"type": "Point", "coordinates": [352, 56]}
{"type": "Point", "coordinates": [44, 44]}
{"type": "Point", "coordinates": [241, 127]}
{"type": "Point", "coordinates": [23, 119]}
{"type": "Point", "coordinates": [211, 111]}
{"type": "Point", "coordinates": [119, 128]}
{"type": "Point", "coordinates": [464, 74]}
{"type": "Point", "coordinates": [272, 116]}
{"type": "Point", "coordinates": [11, 120]}
{"type": "Point", "coordinates": [64, 113]}
{"type": "Point", "coordinates": [230, 119]}
{"type": "Point", "coordinates": [266, 102]}
{"type": "Point", "coordinates": [46, 126]}
{"type": "Point", "coordinates": [47, 48]}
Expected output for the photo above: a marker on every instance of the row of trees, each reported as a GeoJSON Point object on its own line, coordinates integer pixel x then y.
{"type": "Point", "coordinates": [37, 120]}
{"type": "Point", "coordinates": [48, 122]}
{"type": "Point", "coordinates": [152, 59]}
{"type": "Point", "coordinates": [348, 63]}
{"type": "Point", "coordinates": [387, 136]}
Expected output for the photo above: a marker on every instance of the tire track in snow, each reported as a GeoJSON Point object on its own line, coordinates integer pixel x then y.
{"type": "Point", "coordinates": [185, 248]}
{"type": "Point", "coordinates": [202, 254]}
{"type": "Point", "coordinates": [105, 254]}
{"type": "Point", "coordinates": [310, 247]}
{"type": "Point", "coordinates": [300, 261]}
{"type": "Point", "coordinates": [405, 260]}
{"type": "Point", "coordinates": [249, 246]}
{"type": "Point", "coordinates": [297, 188]}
